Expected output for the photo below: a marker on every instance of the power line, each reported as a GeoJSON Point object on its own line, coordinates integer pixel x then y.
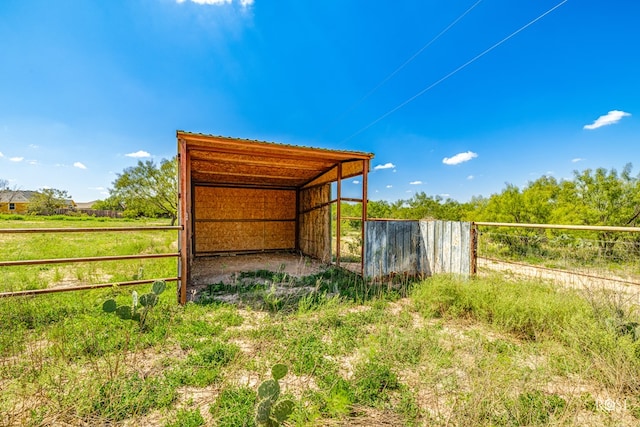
{"type": "Point", "coordinates": [436, 83]}
{"type": "Point", "coordinates": [405, 63]}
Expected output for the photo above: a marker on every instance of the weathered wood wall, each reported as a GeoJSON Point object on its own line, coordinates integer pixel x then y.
{"type": "Point", "coordinates": [417, 248]}
{"type": "Point", "coordinates": [314, 235]}
{"type": "Point", "coordinates": [243, 219]}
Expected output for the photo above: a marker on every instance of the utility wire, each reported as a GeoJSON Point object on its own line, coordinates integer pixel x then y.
{"type": "Point", "coordinates": [436, 83]}
{"type": "Point", "coordinates": [405, 63]}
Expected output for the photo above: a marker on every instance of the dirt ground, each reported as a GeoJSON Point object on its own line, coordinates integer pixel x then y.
{"type": "Point", "coordinates": [577, 280]}
{"type": "Point", "coordinates": [216, 269]}
{"type": "Point", "coordinates": [227, 269]}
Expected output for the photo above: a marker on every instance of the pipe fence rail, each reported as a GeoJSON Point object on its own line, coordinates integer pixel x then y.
{"type": "Point", "coordinates": [89, 259]}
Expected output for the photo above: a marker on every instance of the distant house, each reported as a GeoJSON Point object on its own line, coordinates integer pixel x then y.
{"type": "Point", "coordinates": [17, 202]}
{"type": "Point", "coordinates": [85, 206]}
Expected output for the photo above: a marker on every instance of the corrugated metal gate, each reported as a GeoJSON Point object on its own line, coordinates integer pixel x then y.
{"type": "Point", "coordinates": [418, 248]}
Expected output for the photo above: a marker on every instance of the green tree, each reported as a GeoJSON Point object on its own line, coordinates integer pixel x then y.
{"type": "Point", "coordinates": [606, 198]}
{"type": "Point", "coordinates": [47, 200]}
{"type": "Point", "coordinates": [422, 206]}
{"type": "Point", "coordinates": [378, 209]}
{"type": "Point", "coordinates": [111, 203]}
{"type": "Point", "coordinates": [149, 190]}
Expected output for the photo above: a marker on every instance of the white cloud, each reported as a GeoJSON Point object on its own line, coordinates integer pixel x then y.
{"type": "Point", "coordinates": [1, 155]}
{"type": "Point", "coordinates": [612, 117]}
{"type": "Point", "coordinates": [16, 159]}
{"type": "Point", "coordinates": [243, 3]}
{"type": "Point", "coordinates": [409, 191]}
{"type": "Point", "coordinates": [206, 1]}
{"type": "Point", "coordinates": [577, 159]}
{"type": "Point", "coordinates": [385, 166]}
{"type": "Point", "coordinates": [389, 186]}
{"type": "Point", "coordinates": [415, 183]}
{"type": "Point", "coordinates": [138, 154]}
{"type": "Point", "coordinates": [470, 177]}
{"type": "Point", "coordinates": [33, 162]}
{"type": "Point", "coordinates": [34, 146]}
{"type": "Point", "coordinates": [459, 158]}
{"type": "Point", "coordinates": [79, 165]}
{"type": "Point", "coordinates": [355, 181]}
{"type": "Point", "coordinates": [445, 195]}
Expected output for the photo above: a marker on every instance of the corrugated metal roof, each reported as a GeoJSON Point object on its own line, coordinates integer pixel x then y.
{"type": "Point", "coordinates": [279, 144]}
{"type": "Point", "coordinates": [221, 160]}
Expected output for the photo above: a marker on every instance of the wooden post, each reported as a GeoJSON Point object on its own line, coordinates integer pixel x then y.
{"type": "Point", "coordinates": [365, 201]}
{"type": "Point", "coordinates": [297, 235]}
{"type": "Point", "coordinates": [184, 199]}
{"type": "Point", "coordinates": [474, 249]}
{"type": "Point", "coordinates": [338, 213]}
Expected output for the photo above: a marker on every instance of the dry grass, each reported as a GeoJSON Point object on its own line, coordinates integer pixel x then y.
{"type": "Point", "coordinates": [483, 352]}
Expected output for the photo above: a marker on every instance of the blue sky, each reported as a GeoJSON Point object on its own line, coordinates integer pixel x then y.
{"type": "Point", "coordinates": [88, 88]}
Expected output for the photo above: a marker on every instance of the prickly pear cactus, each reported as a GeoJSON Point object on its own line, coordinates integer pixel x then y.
{"type": "Point", "coordinates": [109, 306]}
{"type": "Point", "coordinates": [279, 371]}
{"type": "Point", "coordinates": [270, 412]}
{"type": "Point", "coordinates": [269, 389]}
{"type": "Point", "coordinates": [263, 412]}
{"type": "Point", "coordinates": [133, 312]}
{"type": "Point", "coordinates": [158, 287]}
{"type": "Point", "coordinates": [282, 410]}
{"type": "Point", "coordinates": [148, 300]}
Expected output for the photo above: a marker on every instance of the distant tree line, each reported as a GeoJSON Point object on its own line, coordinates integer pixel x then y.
{"type": "Point", "coordinates": [592, 197]}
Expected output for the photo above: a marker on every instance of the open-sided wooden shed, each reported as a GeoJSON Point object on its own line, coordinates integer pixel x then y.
{"type": "Point", "coordinates": [243, 196]}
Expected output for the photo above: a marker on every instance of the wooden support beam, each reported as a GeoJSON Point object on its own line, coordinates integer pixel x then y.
{"type": "Point", "coordinates": [184, 201]}
{"type": "Point", "coordinates": [365, 169]}
{"type": "Point", "coordinates": [338, 212]}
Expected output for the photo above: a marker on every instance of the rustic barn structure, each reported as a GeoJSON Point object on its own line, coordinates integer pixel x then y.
{"type": "Point", "coordinates": [239, 196]}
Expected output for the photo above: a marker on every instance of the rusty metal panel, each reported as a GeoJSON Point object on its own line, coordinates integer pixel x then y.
{"type": "Point", "coordinates": [417, 248]}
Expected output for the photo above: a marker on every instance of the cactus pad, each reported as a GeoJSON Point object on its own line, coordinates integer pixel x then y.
{"type": "Point", "coordinates": [109, 306]}
{"type": "Point", "coordinates": [263, 410]}
{"type": "Point", "coordinates": [124, 312]}
{"type": "Point", "coordinates": [158, 287]}
{"type": "Point", "coordinates": [148, 300]}
{"type": "Point", "coordinates": [279, 371]}
{"type": "Point", "coordinates": [269, 389]}
{"type": "Point", "coordinates": [282, 410]}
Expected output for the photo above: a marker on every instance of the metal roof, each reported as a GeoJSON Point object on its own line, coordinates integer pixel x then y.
{"type": "Point", "coordinates": [220, 160]}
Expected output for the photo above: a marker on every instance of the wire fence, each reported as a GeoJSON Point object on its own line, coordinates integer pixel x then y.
{"type": "Point", "coordinates": [574, 255]}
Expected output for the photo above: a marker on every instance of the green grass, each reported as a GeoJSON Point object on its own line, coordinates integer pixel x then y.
{"type": "Point", "coordinates": [76, 245]}
{"type": "Point", "coordinates": [452, 352]}
{"type": "Point", "coordinates": [475, 352]}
